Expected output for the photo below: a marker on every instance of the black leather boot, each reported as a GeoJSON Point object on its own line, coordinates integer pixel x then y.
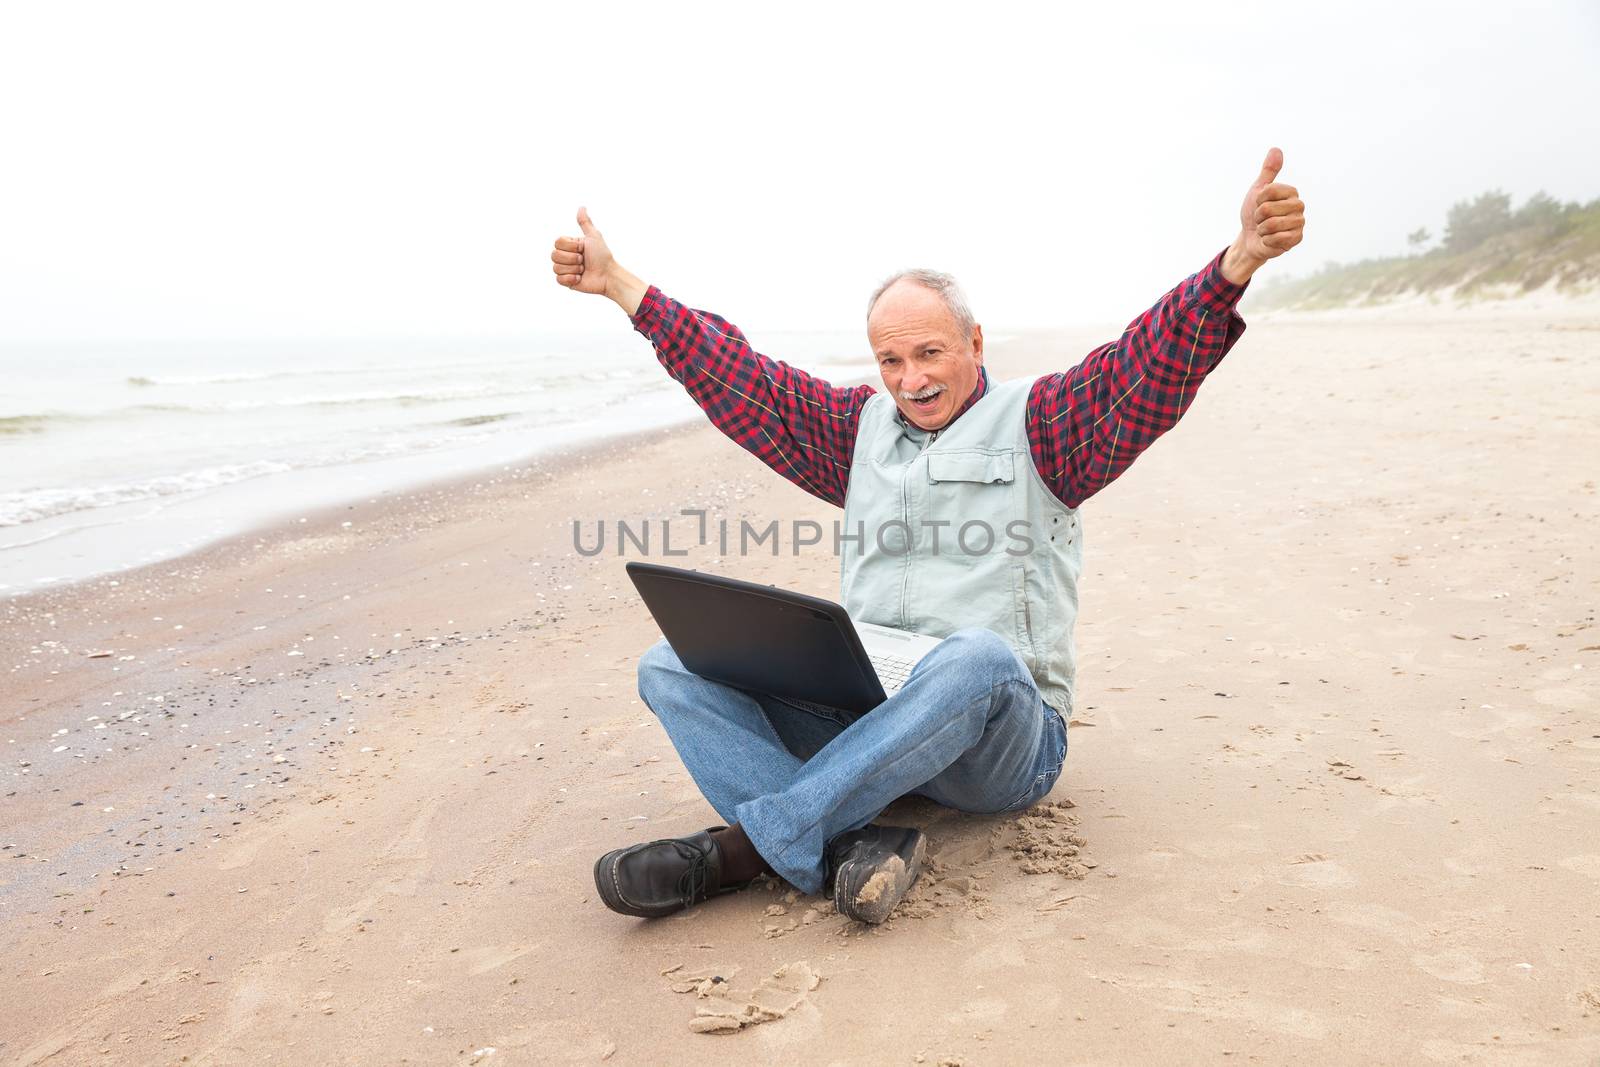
{"type": "Point", "coordinates": [662, 877]}
{"type": "Point", "coordinates": [871, 869]}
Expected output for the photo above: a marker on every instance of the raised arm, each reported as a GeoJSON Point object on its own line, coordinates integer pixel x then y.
{"type": "Point", "coordinates": [799, 425]}
{"type": "Point", "coordinates": [1087, 425]}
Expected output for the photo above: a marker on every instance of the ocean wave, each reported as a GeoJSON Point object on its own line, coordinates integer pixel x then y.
{"type": "Point", "coordinates": [31, 505]}
{"type": "Point", "coordinates": [41, 421]}
{"type": "Point", "coordinates": [482, 420]}
{"type": "Point", "coordinates": [35, 504]}
{"type": "Point", "coordinates": [146, 381]}
{"type": "Point", "coordinates": [405, 399]}
{"type": "Point", "coordinates": [315, 372]}
{"type": "Point", "coordinates": [20, 424]}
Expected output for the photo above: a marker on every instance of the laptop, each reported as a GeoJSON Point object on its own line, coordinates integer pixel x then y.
{"type": "Point", "coordinates": [771, 640]}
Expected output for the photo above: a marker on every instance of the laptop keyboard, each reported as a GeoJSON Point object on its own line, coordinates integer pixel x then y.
{"type": "Point", "coordinates": [892, 671]}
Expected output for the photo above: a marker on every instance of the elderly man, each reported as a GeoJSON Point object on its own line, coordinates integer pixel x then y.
{"type": "Point", "coordinates": [979, 725]}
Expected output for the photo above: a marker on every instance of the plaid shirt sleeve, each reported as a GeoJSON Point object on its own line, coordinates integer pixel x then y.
{"type": "Point", "coordinates": [1088, 425]}
{"type": "Point", "coordinates": [800, 426]}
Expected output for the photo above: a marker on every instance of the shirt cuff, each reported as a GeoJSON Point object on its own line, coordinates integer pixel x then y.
{"type": "Point", "coordinates": [650, 309]}
{"type": "Point", "coordinates": [1215, 292]}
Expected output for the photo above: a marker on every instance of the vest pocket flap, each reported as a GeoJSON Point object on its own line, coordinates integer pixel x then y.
{"type": "Point", "coordinates": [969, 467]}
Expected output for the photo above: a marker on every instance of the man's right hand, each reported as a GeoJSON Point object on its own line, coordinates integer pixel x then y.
{"type": "Point", "coordinates": [585, 264]}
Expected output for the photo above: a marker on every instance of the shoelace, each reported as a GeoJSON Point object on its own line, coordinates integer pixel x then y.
{"type": "Point", "coordinates": [694, 882]}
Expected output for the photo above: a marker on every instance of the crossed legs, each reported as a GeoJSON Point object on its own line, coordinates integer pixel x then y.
{"type": "Point", "coordinates": [968, 730]}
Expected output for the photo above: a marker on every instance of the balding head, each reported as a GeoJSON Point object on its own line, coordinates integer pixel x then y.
{"type": "Point", "coordinates": [941, 284]}
{"type": "Point", "coordinates": [928, 347]}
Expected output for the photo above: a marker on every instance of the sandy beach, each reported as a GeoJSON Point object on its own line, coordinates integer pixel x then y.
{"type": "Point", "coordinates": [331, 792]}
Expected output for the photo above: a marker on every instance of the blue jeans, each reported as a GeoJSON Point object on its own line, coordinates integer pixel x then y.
{"type": "Point", "coordinates": [968, 730]}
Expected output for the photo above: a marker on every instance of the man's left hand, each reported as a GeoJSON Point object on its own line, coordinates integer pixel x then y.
{"type": "Point", "coordinates": [1272, 221]}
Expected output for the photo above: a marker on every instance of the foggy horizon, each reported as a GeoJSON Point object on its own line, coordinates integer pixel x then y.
{"type": "Point", "coordinates": [355, 172]}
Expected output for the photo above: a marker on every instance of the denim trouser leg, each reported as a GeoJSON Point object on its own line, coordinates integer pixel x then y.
{"type": "Point", "coordinates": [727, 737]}
{"type": "Point", "coordinates": [968, 730]}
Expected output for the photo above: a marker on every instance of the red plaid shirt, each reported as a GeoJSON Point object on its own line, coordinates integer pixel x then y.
{"type": "Point", "coordinates": [1085, 425]}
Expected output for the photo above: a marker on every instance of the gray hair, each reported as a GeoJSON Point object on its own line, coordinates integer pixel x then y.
{"type": "Point", "coordinates": [939, 282]}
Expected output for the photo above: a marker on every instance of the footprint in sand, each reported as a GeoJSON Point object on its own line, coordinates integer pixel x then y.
{"type": "Point", "coordinates": [345, 918]}
{"type": "Point", "coordinates": [1173, 994]}
{"type": "Point", "coordinates": [1162, 856]}
{"type": "Point", "coordinates": [956, 851]}
{"type": "Point", "coordinates": [1446, 964]}
{"type": "Point", "coordinates": [1561, 698]}
{"type": "Point", "coordinates": [1450, 966]}
{"type": "Point", "coordinates": [985, 1010]}
{"type": "Point", "coordinates": [242, 855]}
{"type": "Point", "coordinates": [1505, 719]}
{"type": "Point", "coordinates": [1396, 925]}
{"type": "Point", "coordinates": [1243, 839]}
{"type": "Point", "coordinates": [1313, 871]}
{"type": "Point", "coordinates": [486, 958]}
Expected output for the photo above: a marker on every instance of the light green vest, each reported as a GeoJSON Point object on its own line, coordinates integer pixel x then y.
{"type": "Point", "coordinates": [917, 516]}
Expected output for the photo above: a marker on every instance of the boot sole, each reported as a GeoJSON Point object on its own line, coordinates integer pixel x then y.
{"type": "Point", "coordinates": [869, 895]}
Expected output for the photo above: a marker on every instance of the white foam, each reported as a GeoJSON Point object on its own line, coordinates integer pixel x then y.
{"type": "Point", "coordinates": [116, 457]}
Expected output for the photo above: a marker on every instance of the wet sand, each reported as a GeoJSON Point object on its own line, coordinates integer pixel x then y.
{"type": "Point", "coordinates": [330, 793]}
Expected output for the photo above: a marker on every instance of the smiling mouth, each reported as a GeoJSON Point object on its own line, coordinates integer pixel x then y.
{"type": "Point", "coordinates": [928, 402]}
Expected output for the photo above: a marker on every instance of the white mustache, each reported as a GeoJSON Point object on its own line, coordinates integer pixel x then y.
{"type": "Point", "coordinates": [932, 390]}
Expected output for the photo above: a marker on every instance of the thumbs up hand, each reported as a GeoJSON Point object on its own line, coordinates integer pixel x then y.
{"type": "Point", "coordinates": [1273, 218]}
{"type": "Point", "coordinates": [585, 263]}
{"type": "Point", "coordinates": [582, 263]}
{"type": "Point", "coordinates": [1272, 221]}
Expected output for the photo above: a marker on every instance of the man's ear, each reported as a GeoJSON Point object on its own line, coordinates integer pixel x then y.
{"type": "Point", "coordinates": [977, 344]}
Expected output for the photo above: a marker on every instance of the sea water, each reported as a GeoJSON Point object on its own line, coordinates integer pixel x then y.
{"type": "Point", "coordinates": [117, 455]}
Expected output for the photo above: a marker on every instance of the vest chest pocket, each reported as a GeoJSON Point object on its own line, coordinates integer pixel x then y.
{"type": "Point", "coordinates": [976, 490]}
{"type": "Point", "coordinates": [971, 467]}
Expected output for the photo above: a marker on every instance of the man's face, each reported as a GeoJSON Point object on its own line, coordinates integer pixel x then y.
{"type": "Point", "coordinates": [927, 364]}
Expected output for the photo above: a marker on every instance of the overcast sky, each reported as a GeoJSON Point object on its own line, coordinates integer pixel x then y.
{"type": "Point", "coordinates": [383, 169]}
